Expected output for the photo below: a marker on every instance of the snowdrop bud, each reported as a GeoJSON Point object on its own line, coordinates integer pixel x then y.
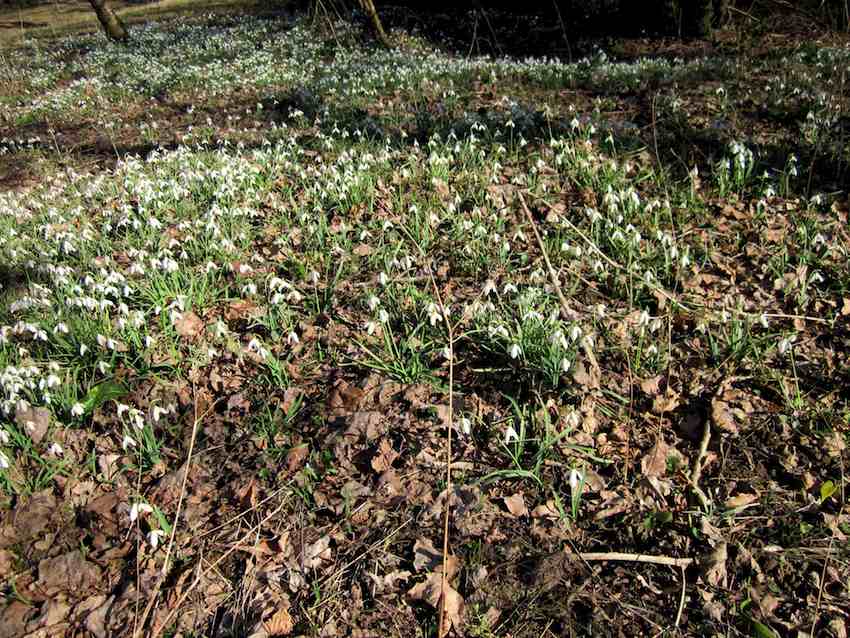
{"type": "Point", "coordinates": [575, 480]}
{"type": "Point", "coordinates": [515, 351]}
{"type": "Point", "coordinates": [154, 536]}
{"type": "Point", "coordinates": [77, 410]}
{"type": "Point", "coordinates": [511, 435]}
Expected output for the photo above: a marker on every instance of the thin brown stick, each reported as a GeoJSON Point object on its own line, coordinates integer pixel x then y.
{"type": "Point", "coordinates": [158, 630]}
{"type": "Point", "coordinates": [632, 558]}
{"type": "Point", "coordinates": [196, 419]}
{"type": "Point", "coordinates": [828, 554]}
{"type": "Point", "coordinates": [443, 628]}
{"type": "Point", "coordinates": [681, 599]}
{"type": "Point", "coordinates": [568, 312]}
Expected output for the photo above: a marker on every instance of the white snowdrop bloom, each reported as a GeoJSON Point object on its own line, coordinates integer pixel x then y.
{"type": "Point", "coordinates": [53, 381]}
{"type": "Point", "coordinates": [382, 278]}
{"type": "Point", "coordinates": [763, 321]}
{"type": "Point", "coordinates": [575, 333]}
{"type": "Point", "coordinates": [292, 338]}
{"type": "Point", "coordinates": [139, 509]}
{"type": "Point", "coordinates": [576, 478]}
{"type": "Point", "coordinates": [254, 345]}
{"type": "Point", "coordinates": [383, 316]}
{"type": "Point", "coordinates": [55, 449]}
{"type": "Point", "coordinates": [103, 366]}
{"type": "Point", "coordinates": [313, 277]}
{"type": "Point", "coordinates": [4, 461]}
{"type": "Point", "coordinates": [515, 350]}
{"type": "Point", "coordinates": [83, 349]}
{"type": "Point", "coordinates": [785, 344]}
{"type": "Point", "coordinates": [643, 319]}
{"type": "Point", "coordinates": [489, 287]}
{"type": "Point", "coordinates": [61, 328]}
{"type": "Point", "coordinates": [465, 426]}
{"type": "Point", "coordinates": [77, 410]}
{"type": "Point", "coordinates": [128, 442]}
{"type": "Point", "coordinates": [565, 365]}
{"type": "Point", "coordinates": [149, 341]}
{"type": "Point", "coordinates": [153, 537]}
{"type": "Point", "coordinates": [509, 288]}
{"type": "Point", "coordinates": [4, 437]}
{"type": "Point", "coordinates": [510, 435]}
{"type": "Point", "coordinates": [373, 302]}
{"type": "Point", "coordinates": [157, 413]}
{"type": "Point", "coordinates": [371, 326]}
{"type": "Point", "coordinates": [245, 269]}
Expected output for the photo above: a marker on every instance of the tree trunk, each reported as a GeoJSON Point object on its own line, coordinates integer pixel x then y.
{"type": "Point", "coordinates": [111, 23]}
{"type": "Point", "coordinates": [369, 7]}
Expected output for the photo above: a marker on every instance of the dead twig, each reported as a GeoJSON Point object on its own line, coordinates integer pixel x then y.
{"type": "Point", "coordinates": [697, 473]}
{"type": "Point", "coordinates": [632, 558]}
{"type": "Point", "coordinates": [443, 628]}
{"type": "Point", "coordinates": [164, 572]}
{"type": "Point", "coordinates": [568, 312]}
{"type": "Point", "coordinates": [201, 575]}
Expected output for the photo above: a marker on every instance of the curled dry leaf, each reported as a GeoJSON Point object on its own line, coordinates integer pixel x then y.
{"type": "Point", "coordinates": [34, 421]}
{"type": "Point", "coordinates": [516, 505]}
{"type": "Point", "coordinates": [189, 325]}
{"type": "Point", "coordinates": [714, 566]}
{"type": "Point", "coordinates": [740, 500]}
{"type": "Point", "coordinates": [280, 624]}
{"type": "Point", "coordinates": [383, 459]}
{"type": "Point", "coordinates": [431, 591]}
{"type": "Point", "coordinates": [654, 464]}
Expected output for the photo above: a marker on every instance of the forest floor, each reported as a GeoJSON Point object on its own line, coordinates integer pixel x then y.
{"type": "Point", "coordinates": [256, 271]}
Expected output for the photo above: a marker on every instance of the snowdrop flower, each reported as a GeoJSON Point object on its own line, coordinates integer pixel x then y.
{"type": "Point", "coordinates": [511, 435]}
{"type": "Point", "coordinates": [139, 508]}
{"type": "Point", "coordinates": [103, 366]}
{"type": "Point", "coordinates": [292, 339]}
{"type": "Point", "coordinates": [465, 426]}
{"type": "Point", "coordinates": [153, 537]}
{"type": "Point", "coordinates": [371, 326]}
{"type": "Point", "coordinates": [447, 353]}
{"type": "Point", "coordinates": [383, 316]}
{"type": "Point", "coordinates": [382, 278]}
{"type": "Point", "coordinates": [785, 344]}
{"type": "Point", "coordinates": [83, 349]}
{"type": "Point", "coordinates": [373, 302]}
{"type": "Point", "coordinates": [763, 320]}
{"type": "Point", "coordinates": [127, 442]}
{"type": "Point", "coordinates": [433, 313]}
{"type": "Point", "coordinates": [565, 365]}
{"type": "Point", "coordinates": [55, 450]}
{"type": "Point", "coordinates": [4, 437]}
{"type": "Point", "coordinates": [4, 461]}
{"type": "Point", "coordinates": [515, 350]}
{"type": "Point", "coordinates": [489, 287]}
{"type": "Point", "coordinates": [314, 277]}
{"type": "Point", "coordinates": [575, 480]}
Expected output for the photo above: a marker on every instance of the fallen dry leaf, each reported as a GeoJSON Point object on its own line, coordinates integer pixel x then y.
{"type": "Point", "coordinates": [280, 624]}
{"type": "Point", "coordinates": [714, 566]}
{"type": "Point", "coordinates": [189, 325]}
{"type": "Point", "coordinates": [740, 500]}
{"type": "Point", "coordinates": [430, 591]}
{"type": "Point", "coordinates": [34, 421]}
{"type": "Point", "coordinates": [383, 459]}
{"type": "Point", "coordinates": [654, 464]}
{"type": "Point", "coordinates": [516, 505]}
